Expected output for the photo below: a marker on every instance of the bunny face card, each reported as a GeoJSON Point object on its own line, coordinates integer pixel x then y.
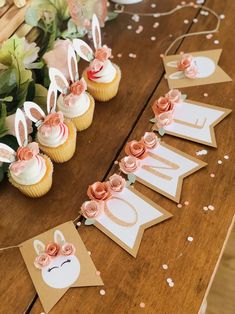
{"type": "Point", "coordinates": [57, 260]}
{"type": "Point", "coordinates": [196, 68]}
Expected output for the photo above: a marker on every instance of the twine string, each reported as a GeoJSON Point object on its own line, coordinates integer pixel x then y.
{"type": "Point", "coordinates": [120, 10]}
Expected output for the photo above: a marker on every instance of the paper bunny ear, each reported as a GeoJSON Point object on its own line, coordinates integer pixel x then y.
{"type": "Point", "coordinates": [59, 80]}
{"type": "Point", "coordinates": [7, 154]}
{"type": "Point", "coordinates": [51, 98]}
{"type": "Point", "coordinates": [172, 64]}
{"type": "Point", "coordinates": [39, 247]}
{"type": "Point", "coordinates": [33, 111]}
{"type": "Point", "coordinates": [21, 128]}
{"type": "Point", "coordinates": [83, 50]}
{"type": "Point", "coordinates": [59, 237]}
{"type": "Point", "coordinates": [72, 64]}
{"type": "Point", "coordinates": [177, 75]}
{"type": "Point", "coordinates": [96, 34]}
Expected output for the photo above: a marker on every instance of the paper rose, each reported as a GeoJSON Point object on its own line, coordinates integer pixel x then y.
{"type": "Point", "coordinates": [78, 87]}
{"type": "Point", "coordinates": [103, 53]}
{"type": "Point", "coordinates": [191, 72]}
{"type": "Point", "coordinates": [42, 260]}
{"type": "Point", "coordinates": [128, 164]}
{"type": "Point", "coordinates": [52, 249]}
{"type": "Point", "coordinates": [99, 191]}
{"type": "Point", "coordinates": [136, 149]}
{"type": "Point", "coordinates": [174, 96]}
{"type": "Point", "coordinates": [185, 62]}
{"type": "Point", "coordinates": [90, 209]}
{"type": "Point", "coordinates": [67, 249]}
{"type": "Point", "coordinates": [116, 183]}
{"type": "Point", "coordinates": [150, 140]}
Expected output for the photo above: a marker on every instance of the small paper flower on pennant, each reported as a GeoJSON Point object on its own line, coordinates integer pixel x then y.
{"type": "Point", "coordinates": [128, 164]}
{"type": "Point", "coordinates": [150, 140]}
{"type": "Point", "coordinates": [185, 62]}
{"type": "Point", "coordinates": [90, 209]}
{"type": "Point", "coordinates": [163, 109]}
{"type": "Point", "coordinates": [136, 149]}
{"type": "Point", "coordinates": [52, 249]}
{"type": "Point", "coordinates": [174, 96]}
{"type": "Point", "coordinates": [102, 54]}
{"type": "Point", "coordinates": [191, 72]}
{"type": "Point", "coordinates": [78, 87]}
{"type": "Point", "coordinates": [99, 191]}
{"type": "Point", "coordinates": [42, 260]}
{"type": "Point", "coordinates": [67, 249]}
{"type": "Point", "coordinates": [116, 183]}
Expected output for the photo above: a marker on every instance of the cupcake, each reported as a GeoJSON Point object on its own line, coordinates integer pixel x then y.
{"type": "Point", "coordinates": [56, 136]}
{"type": "Point", "coordinates": [29, 171]}
{"type": "Point", "coordinates": [102, 76]}
{"type": "Point", "coordinates": [74, 102]}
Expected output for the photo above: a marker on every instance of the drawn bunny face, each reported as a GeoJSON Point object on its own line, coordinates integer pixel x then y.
{"type": "Point", "coordinates": [35, 113]}
{"type": "Point", "coordinates": [25, 151]}
{"type": "Point", "coordinates": [82, 48]}
{"type": "Point", "coordinates": [204, 65]}
{"type": "Point", "coordinates": [61, 270]}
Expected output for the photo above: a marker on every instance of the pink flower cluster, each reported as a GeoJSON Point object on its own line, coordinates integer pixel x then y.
{"type": "Point", "coordinates": [137, 150]}
{"type": "Point", "coordinates": [102, 54]}
{"type": "Point", "coordinates": [52, 250]}
{"type": "Point", "coordinates": [99, 192]}
{"type": "Point", "coordinates": [24, 154]}
{"type": "Point", "coordinates": [163, 107]}
{"type": "Point", "coordinates": [187, 66]}
{"type": "Point", "coordinates": [52, 119]}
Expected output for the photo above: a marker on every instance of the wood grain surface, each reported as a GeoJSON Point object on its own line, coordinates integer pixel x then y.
{"type": "Point", "coordinates": [129, 281]}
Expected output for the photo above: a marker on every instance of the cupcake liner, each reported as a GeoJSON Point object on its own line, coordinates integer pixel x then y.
{"type": "Point", "coordinates": [38, 189]}
{"type": "Point", "coordinates": [103, 91]}
{"type": "Point", "coordinates": [65, 151]}
{"type": "Point", "coordinates": [84, 121]}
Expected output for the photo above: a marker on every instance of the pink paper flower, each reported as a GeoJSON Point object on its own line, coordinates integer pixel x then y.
{"type": "Point", "coordinates": [150, 140]}
{"type": "Point", "coordinates": [174, 96]}
{"type": "Point", "coordinates": [24, 153]}
{"type": "Point", "coordinates": [99, 191]}
{"type": "Point", "coordinates": [191, 72]}
{"type": "Point", "coordinates": [54, 119]}
{"type": "Point", "coordinates": [102, 54]}
{"type": "Point", "coordinates": [42, 260]}
{"type": "Point", "coordinates": [58, 57]}
{"type": "Point", "coordinates": [163, 104]}
{"type": "Point", "coordinates": [136, 149]}
{"type": "Point", "coordinates": [185, 62]}
{"type": "Point", "coordinates": [116, 183]}
{"type": "Point", "coordinates": [78, 87]}
{"type": "Point", "coordinates": [52, 249]}
{"type": "Point", "coordinates": [67, 249]}
{"type": "Point", "coordinates": [90, 209]}
{"type": "Point", "coordinates": [128, 164]}
{"type": "Point", "coordinates": [164, 119]}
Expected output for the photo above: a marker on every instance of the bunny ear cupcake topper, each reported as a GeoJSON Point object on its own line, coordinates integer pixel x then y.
{"type": "Point", "coordinates": [83, 50]}
{"type": "Point", "coordinates": [7, 154]}
{"type": "Point", "coordinates": [72, 65]}
{"type": "Point", "coordinates": [51, 99]}
{"type": "Point", "coordinates": [33, 111]}
{"type": "Point", "coordinates": [96, 34]}
{"type": "Point", "coordinates": [58, 79]}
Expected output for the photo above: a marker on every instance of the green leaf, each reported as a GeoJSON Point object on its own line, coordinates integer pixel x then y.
{"type": "Point", "coordinates": [128, 183]}
{"type": "Point", "coordinates": [183, 97]}
{"type": "Point", "coordinates": [7, 80]}
{"type": "Point", "coordinates": [153, 120]}
{"type": "Point", "coordinates": [3, 116]}
{"type": "Point", "coordinates": [131, 178]}
{"type": "Point", "coordinates": [7, 99]}
{"type": "Point", "coordinates": [111, 15]}
{"type": "Point", "coordinates": [161, 131]}
{"type": "Point", "coordinates": [40, 96]}
{"type": "Point", "coordinates": [89, 222]}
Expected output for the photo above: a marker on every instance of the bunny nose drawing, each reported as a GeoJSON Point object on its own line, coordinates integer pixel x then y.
{"type": "Point", "coordinates": [205, 66]}
{"type": "Point", "coordinates": [62, 272]}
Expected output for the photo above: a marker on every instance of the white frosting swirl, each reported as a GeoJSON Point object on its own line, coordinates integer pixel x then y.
{"type": "Point", "coordinates": [78, 105]}
{"type": "Point", "coordinates": [56, 136]}
{"type": "Point", "coordinates": [32, 172]}
{"type": "Point", "coordinates": [106, 74]}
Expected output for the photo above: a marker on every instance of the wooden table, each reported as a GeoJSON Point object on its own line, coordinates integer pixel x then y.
{"type": "Point", "coordinates": [129, 281]}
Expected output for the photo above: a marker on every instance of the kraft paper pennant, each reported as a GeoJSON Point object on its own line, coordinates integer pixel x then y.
{"type": "Point", "coordinates": [197, 68]}
{"type": "Point", "coordinates": [161, 168]}
{"type": "Point", "coordinates": [196, 121]}
{"type": "Point", "coordinates": [57, 260]}
{"type": "Point", "coordinates": [124, 215]}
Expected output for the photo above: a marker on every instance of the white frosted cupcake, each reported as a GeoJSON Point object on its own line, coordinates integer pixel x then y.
{"type": "Point", "coordinates": [56, 136]}
{"type": "Point", "coordinates": [75, 103]}
{"type": "Point", "coordinates": [102, 76]}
